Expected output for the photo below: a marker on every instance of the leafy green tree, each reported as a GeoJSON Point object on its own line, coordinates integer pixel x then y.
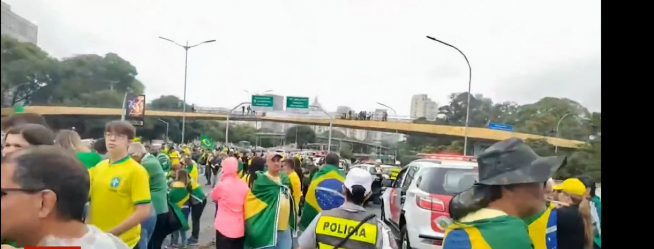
{"type": "Point", "coordinates": [25, 70]}
{"type": "Point", "coordinates": [30, 75]}
{"type": "Point", "coordinates": [305, 134]}
{"type": "Point", "coordinates": [346, 151]}
{"type": "Point", "coordinates": [169, 102]}
{"type": "Point", "coordinates": [335, 134]}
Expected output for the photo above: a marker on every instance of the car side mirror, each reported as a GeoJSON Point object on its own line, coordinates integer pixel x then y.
{"type": "Point", "coordinates": [387, 183]}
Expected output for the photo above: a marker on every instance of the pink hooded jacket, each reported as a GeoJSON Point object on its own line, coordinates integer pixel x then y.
{"type": "Point", "coordinates": [230, 193]}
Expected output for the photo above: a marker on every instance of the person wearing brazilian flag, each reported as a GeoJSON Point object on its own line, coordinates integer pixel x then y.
{"type": "Point", "coordinates": [162, 157]}
{"type": "Point", "coordinates": [198, 201]}
{"type": "Point", "coordinates": [269, 211]}
{"type": "Point", "coordinates": [324, 192]}
{"type": "Point", "coordinates": [510, 188]}
{"type": "Point", "coordinates": [332, 228]}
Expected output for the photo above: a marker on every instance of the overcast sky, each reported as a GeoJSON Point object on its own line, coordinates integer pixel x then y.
{"type": "Point", "coordinates": [350, 53]}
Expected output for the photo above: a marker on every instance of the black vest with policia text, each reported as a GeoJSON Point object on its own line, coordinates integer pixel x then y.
{"type": "Point", "coordinates": [335, 224]}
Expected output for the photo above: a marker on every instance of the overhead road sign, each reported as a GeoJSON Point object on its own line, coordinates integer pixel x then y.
{"type": "Point", "coordinates": [297, 104]}
{"type": "Point", "coordinates": [262, 103]}
{"type": "Point", "coordinates": [500, 127]}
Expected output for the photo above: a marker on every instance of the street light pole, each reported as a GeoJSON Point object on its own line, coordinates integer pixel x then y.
{"type": "Point", "coordinates": [331, 123]}
{"type": "Point", "coordinates": [395, 114]}
{"type": "Point", "coordinates": [227, 123]}
{"type": "Point", "coordinates": [161, 120]}
{"type": "Point", "coordinates": [465, 139]}
{"type": "Point", "coordinates": [390, 108]}
{"type": "Point", "coordinates": [558, 124]}
{"type": "Point", "coordinates": [186, 48]}
{"type": "Point", "coordinates": [267, 91]}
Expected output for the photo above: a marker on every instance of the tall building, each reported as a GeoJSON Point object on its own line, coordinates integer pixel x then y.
{"type": "Point", "coordinates": [423, 107]}
{"type": "Point", "coordinates": [17, 27]}
{"type": "Point", "coordinates": [356, 134]}
{"type": "Point", "coordinates": [278, 106]}
{"type": "Point", "coordinates": [315, 106]}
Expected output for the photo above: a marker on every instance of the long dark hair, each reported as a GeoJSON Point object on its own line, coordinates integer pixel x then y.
{"type": "Point", "coordinates": [297, 166]}
{"type": "Point", "coordinates": [246, 164]}
{"type": "Point", "coordinates": [589, 183]}
{"type": "Point", "coordinates": [257, 165]}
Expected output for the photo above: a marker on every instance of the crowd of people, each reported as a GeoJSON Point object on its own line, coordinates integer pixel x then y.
{"type": "Point", "coordinates": [121, 194]}
{"type": "Point", "coordinates": [56, 191]}
{"type": "Point", "coordinates": [363, 115]}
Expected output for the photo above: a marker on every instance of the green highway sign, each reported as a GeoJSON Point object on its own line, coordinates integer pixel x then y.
{"type": "Point", "coordinates": [262, 103]}
{"type": "Point", "coordinates": [297, 104]}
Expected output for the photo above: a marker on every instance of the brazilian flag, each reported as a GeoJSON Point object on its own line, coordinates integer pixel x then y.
{"type": "Point", "coordinates": [206, 142]}
{"type": "Point", "coordinates": [325, 192]}
{"type": "Point", "coordinates": [498, 232]}
{"type": "Point", "coordinates": [178, 195]}
{"type": "Point", "coordinates": [262, 210]}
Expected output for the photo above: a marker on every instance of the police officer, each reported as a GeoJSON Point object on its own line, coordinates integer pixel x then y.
{"type": "Point", "coordinates": [394, 172]}
{"type": "Point", "coordinates": [331, 227]}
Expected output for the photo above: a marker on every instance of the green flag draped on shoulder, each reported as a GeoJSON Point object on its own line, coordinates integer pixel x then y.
{"type": "Point", "coordinates": [206, 142]}
{"type": "Point", "coordinates": [178, 193]}
{"type": "Point", "coordinates": [324, 193]}
{"type": "Point", "coordinates": [262, 211]}
{"type": "Point", "coordinates": [500, 232]}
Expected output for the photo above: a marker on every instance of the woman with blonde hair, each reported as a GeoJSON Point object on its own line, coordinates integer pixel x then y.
{"type": "Point", "coordinates": [574, 222]}
{"type": "Point", "coordinates": [70, 140]}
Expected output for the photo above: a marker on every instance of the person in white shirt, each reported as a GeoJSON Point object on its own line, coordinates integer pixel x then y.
{"type": "Point", "coordinates": [44, 190]}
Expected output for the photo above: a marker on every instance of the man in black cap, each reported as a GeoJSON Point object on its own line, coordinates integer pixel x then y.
{"type": "Point", "coordinates": [510, 187]}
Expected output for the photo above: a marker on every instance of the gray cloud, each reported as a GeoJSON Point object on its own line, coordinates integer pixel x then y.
{"type": "Point", "coordinates": [580, 80]}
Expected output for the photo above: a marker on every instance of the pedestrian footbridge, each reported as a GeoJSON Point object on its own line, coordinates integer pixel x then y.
{"type": "Point", "coordinates": [474, 133]}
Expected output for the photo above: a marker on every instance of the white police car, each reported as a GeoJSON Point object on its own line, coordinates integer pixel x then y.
{"type": "Point", "coordinates": [424, 189]}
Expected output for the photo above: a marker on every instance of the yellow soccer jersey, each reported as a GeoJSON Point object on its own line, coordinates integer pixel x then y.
{"type": "Point", "coordinates": [115, 191]}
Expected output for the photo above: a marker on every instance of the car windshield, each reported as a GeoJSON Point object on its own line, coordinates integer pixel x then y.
{"type": "Point", "coordinates": [447, 181]}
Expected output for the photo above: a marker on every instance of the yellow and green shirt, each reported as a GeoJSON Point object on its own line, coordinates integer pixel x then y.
{"type": "Point", "coordinates": [193, 170]}
{"type": "Point", "coordinates": [116, 189]}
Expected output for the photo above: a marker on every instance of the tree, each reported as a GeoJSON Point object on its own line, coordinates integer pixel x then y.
{"type": "Point", "coordinates": [346, 151]}
{"type": "Point", "coordinates": [305, 134]}
{"type": "Point", "coordinates": [25, 70]}
{"type": "Point", "coordinates": [81, 75]}
{"type": "Point", "coordinates": [335, 134]}
{"type": "Point", "coordinates": [31, 76]}
{"type": "Point", "coordinates": [169, 102]}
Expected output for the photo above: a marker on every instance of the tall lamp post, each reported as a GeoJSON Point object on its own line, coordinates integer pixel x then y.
{"type": "Point", "coordinates": [331, 123]}
{"type": "Point", "coordinates": [186, 48]}
{"type": "Point", "coordinates": [465, 139]}
{"type": "Point", "coordinates": [267, 91]}
{"type": "Point", "coordinates": [390, 108]}
{"type": "Point", "coordinates": [167, 125]}
{"type": "Point", "coordinates": [558, 124]}
{"type": "Point", "coordinates": [394, 114]}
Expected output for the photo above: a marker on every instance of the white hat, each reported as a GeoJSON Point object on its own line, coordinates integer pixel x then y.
{"type": "Point", "coordinates": [360, 177]}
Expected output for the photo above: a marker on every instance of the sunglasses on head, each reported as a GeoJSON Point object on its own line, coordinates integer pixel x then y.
{"type": "Point", "coordinates": [6, 191]}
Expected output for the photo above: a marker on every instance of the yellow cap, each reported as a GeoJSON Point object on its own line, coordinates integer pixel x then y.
{"type": "Point", "coordinates": [571, 186]}
{"type": "Point", "coordinates": [175, 160]}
